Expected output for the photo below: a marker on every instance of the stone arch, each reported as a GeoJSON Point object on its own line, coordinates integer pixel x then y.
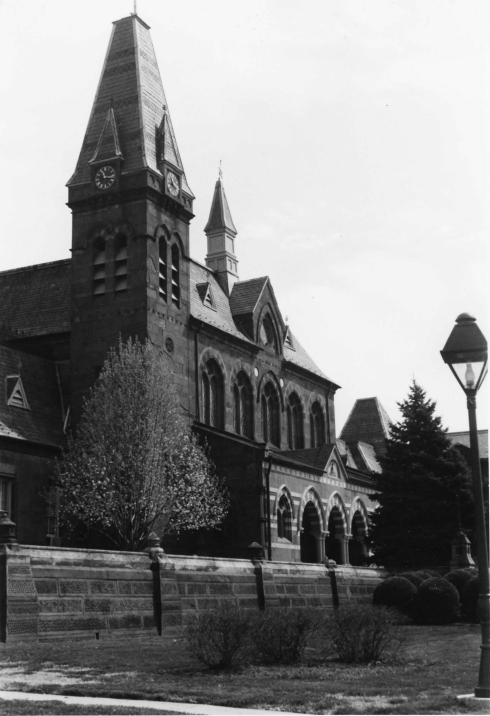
{"type": "Point", "coordinates": [208, 353]}
{"type": "Point", "coordinates": [162, 230]}
{"type": "Point", "coordinates": [358, 517]}
{"type": "Point", "coordinates": [359, 506]}
{"type": "Point", "coordinates": [316, 398]}
{"type": "Point", "coordinates": [176, 239]}
{"type": "Point", "coordinates": [336, 540]}
{"type": "Point", "coordinates": [285, 521]}
{"type": "Point", "coordinates": [122, 227]}
{"type": "Point", "coordinates": [99, 231]}
{"type": "Point", "coordinates": [311, 525]}
{"type": "Point", "coordinates": [240, 367]}
{"type": "Point", "coordinates": [267, 310]}
{"type": "Point", "coordinates": [269, 375]}
{"type": "Point", "coordinates": [336, 500]}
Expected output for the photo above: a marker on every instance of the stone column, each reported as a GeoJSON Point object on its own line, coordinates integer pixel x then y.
{"type": "Point", "coordinates": [344, 548]}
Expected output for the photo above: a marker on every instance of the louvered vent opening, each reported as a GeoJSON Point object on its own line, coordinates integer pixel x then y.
{"type": "Point", "coordinates": [162, 269]}
{"type": "Point", "coordinates": [98, 268]}
{"type": "Point", "coordinates": [175, 276]}
{"type": "Point", "coordinates": [121, 265]}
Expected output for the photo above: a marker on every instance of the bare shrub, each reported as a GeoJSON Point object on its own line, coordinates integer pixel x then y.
{"type": "Point", "coordinates": [220, 637]}
{"type": "Point", "coordinates": [280, 634]}
{"type": "Point", "coordinates": [363, 633]}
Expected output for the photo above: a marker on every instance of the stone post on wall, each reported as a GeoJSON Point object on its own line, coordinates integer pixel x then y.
{"type": "Point", "coordinates": [256, 554]}
{"type": "Point", "coordinates": [155, 552]}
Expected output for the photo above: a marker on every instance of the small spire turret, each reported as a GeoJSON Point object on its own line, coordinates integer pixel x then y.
{"type": "Point", "coordinates": [221, 232]}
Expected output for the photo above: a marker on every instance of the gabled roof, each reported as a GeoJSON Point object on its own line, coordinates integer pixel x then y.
{"type": "Point", "coordinates": [245, 295]}
{"type": "Point", "coordinates": [35, 300]}
{"type": "Point", "coordinates": [130, 83]}
{"type": "Point", "coordinates": [43, 422]}
{"type": "Point", "coordinates": [345, 453]}
{"type": "Point", "coordinates": [220, 318]}
{"type": "Point", "coordinates": [368, 422]}
{"type": "Point", "coordinates": [220, 214]}
{"type": "Point", "coordinates": [463, 438]}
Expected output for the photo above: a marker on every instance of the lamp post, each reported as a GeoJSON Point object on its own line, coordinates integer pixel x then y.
{"type": "Point", "coordinates": [466, 354]}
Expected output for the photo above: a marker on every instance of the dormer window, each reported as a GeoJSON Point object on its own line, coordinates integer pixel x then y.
{"type": "Point", "coordinates": [121, 264]}
{"type": "Point", "coordinates": [206, 295]}
{"type": "Point", "coordinates": [98, 267]}
{"type": "Point", "coordinates": [175, 275]}
{"type": "Point", "coordinates": [16, 396]}
{"type": "Point", "coordinates": [266, 333]}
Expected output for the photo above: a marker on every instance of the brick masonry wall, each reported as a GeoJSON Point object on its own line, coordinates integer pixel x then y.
{"type": "Point", "coordinates": [48, 593]}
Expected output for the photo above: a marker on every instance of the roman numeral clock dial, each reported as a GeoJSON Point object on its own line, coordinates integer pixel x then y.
{"type": "Point", "coordinates": [105, 177]}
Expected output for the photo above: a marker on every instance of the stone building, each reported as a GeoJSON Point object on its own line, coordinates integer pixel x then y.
{"type": "Point", "coordinates": [246, 383]}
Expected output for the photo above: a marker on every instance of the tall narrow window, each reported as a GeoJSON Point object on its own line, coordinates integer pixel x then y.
{"type": "Point", "coordinates": [271, 427]}
{"type": "Point", "coordinates": [242, 396]}
{"type": "Point", "coordinates": [121, 264]}
{"type": "Point", "coordinates": [317, 425]}
{"type": "Point", "coordinates": [175, 275]}
{"type": "Point", "coordinates": [212, 395]}
{"type": "Point", "coordinates": [162, 268]}
{"type": "Point", "coordinates": [6, 496]}
{"type": "Point", "coordinates": [98, 268]}
{"type": "Point", "coordinates": [284, 518]}
{"type": "Point", "coordinates": [295, 423]}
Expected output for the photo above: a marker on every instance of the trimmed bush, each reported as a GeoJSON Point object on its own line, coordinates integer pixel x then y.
{"type": "Point", "coordinates": [469, 600]}
{"type": "Point", "coordinates": [459, 578]}
{"type": "Point", "coordinates": [280, 634]}
{"type": "Point", "coordinates": [436, 602]}
{"type": "Point", "coordinates": [432, 573]}
{"type": "Point", "coordinates": [394, 593]}
{"type": "Point", "coordinates": [424, 575]}
{"type": "Point", "coordinates": [412, 577]}
{"type": "Point", "coordinates": [363, 633]}
{"type": "Point", "coordinates": [220, 638]}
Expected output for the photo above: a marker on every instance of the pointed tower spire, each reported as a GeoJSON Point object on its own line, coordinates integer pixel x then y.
{"type": "Point", "coordinates": [221, 232]}
{"type": "Point", "coordinates": [130, 114]}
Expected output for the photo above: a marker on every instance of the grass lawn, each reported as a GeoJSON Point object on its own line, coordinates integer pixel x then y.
{"type": "Point", "coordinates": [437, 664]}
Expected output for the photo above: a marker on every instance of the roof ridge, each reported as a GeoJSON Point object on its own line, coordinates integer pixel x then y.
{"type": "Point", "coordinates": [35, 266]}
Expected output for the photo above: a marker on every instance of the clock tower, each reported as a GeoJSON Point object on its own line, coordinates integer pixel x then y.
{"type": "Point", "coordinates": [131, 207]}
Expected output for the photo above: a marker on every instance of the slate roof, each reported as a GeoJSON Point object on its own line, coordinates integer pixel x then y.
{"type": "Point", "coordinates": [221, 317]}
{"type": "Point", "coordinates": [245, 295]}
{"type": "Point", "coordinates": [368, 422]}
{"type": "Point", "coordinates": [35, 300]}
{"type": "Point", "coordinates": [301, 358]}
{"type": "Point", "coordinates": [220, 214]}
{"type": "Point", "coordinates": [314, 457]}
{"type": "Point", "coordinates": [345, 453]}
{"type": "Point", "coordinates": [130, 83]}
{"type": "Point", "coordinates": [463, 438]}
{"type": "Point", "coordinates": [43, 423]}
{"type": "Point", "coordinates": [368, 454]}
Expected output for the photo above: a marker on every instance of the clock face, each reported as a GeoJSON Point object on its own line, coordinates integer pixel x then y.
{"type": "Point", "coordinates": [105, 177]}
{"type": "Point", "coordinates": [172, 184]}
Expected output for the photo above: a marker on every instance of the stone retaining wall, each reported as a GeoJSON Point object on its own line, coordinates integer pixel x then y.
{"type": "Point", "coordinates": [52, 592]}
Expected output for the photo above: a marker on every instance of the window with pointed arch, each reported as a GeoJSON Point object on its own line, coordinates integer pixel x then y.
{"type": "Point", "coordinates": [162, 268]}
{"type": "Point", "coordinates": [212, 395]}
{"type": "Point", "coordinates": [267, 335]}
{"type": "Point", "coordinates": [295, 423]}
{"type": "Point", "coordinates": [271, 422]}
{"type": "Point", "coordinates": [317, 425]}
{"type": "Point", "coordinates": [175, 275]}
{"type": "Point", "coordinates": [243, 405]}
{"type": "Point", "coordinates": [284, 519]}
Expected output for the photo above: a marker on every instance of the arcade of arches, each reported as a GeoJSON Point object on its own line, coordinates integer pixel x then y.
{"type": "Point", "coordinates": [316, 543]}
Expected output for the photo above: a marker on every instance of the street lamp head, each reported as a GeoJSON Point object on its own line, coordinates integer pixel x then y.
{"type": "Point", "coordinates": [466, 353]}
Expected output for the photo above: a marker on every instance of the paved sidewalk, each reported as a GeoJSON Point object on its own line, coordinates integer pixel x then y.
{"type": "Point", "coordinates": [161, 706]}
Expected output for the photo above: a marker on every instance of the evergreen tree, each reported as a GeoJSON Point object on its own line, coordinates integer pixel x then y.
{"type": "Point", "coordinates": [424, 483]}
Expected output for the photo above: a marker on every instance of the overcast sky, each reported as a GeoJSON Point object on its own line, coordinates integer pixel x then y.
{"type": "Point", "coordinates": [354, 142]}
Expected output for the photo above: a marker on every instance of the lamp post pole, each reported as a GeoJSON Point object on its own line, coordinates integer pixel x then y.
{"type": "Point", "coordinates": [482, 690]}
{"type": "Point", "coordinates": [466, 350]}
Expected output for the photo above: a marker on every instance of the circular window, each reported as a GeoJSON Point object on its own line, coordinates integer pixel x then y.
{"type": "Point", "coordinates": [256, 372]}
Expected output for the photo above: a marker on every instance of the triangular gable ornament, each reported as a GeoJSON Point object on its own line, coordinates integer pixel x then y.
{"type": "Point", "coordinates": [108, 146]}
{"type": "Point", "coordinates": [288, 339]}
{"type": "Point", "coordinates": [16, 396]}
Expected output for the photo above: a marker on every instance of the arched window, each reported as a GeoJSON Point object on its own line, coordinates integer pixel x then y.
{"type": "Point", "coordinates": [175, 275]}
{"type": "Point", "coordinates": [267, 335]}
{"type": "Point", "coordinates": [295, 423]}
{"type": "Point", "coordinates": [98, 268]}
{"type": "Point", "coordinates": [271, 424]}
{"type": "Point", "coordinates": [162, 268]}
{"type": "Point", "coordinates": [121, 263]}
{"type": "Point", "coordinates": [284, 519]}
{"type": "Point", "coordinates": [212, 395]}
{"type": "Point", "coordinates": [242, 398]}
{"type": "Point", "coordinates": [317, 425]}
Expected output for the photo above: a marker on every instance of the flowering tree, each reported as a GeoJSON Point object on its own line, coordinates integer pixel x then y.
{"type": "Point", "coordinates": [133, 464]}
